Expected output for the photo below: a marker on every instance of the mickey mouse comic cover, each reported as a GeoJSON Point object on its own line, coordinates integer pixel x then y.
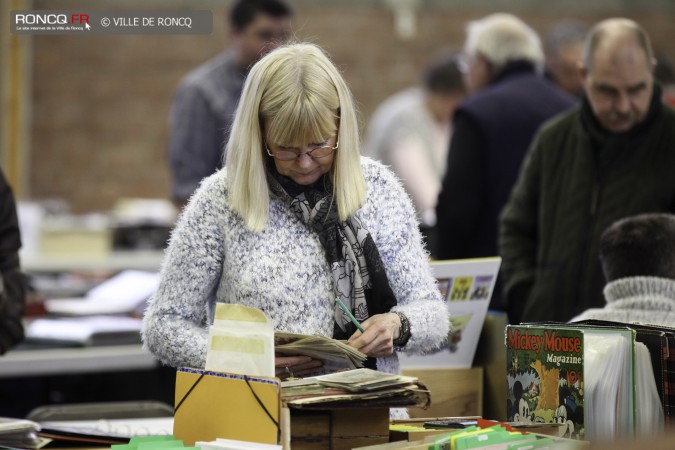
{"type": "Point", "coordinates": [545, 377]}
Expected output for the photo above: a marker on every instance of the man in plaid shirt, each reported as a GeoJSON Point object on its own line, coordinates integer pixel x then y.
{"type": "Point", "coordinates": [206, 99]}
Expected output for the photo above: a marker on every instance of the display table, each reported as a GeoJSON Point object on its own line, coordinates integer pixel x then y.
{"type": "Point", "coordinates": [114, 261]}
{"type": "Point", "coordinates": [63, 361]}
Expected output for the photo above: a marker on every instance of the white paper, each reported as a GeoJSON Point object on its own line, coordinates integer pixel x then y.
{"type": "Point", "coordinates": [120, 294]}
{"type": "Point", "coordinates": [80, 329]}
{"type": "Point", "coordinates": [151, 426]}
{"type": "Point", "coordinates": [230, 444]}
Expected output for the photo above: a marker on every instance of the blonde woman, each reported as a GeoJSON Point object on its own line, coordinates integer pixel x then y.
{"type": "Point", "coordinates": [296, 219]}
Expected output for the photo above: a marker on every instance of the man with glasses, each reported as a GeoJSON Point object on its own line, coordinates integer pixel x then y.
{"type": "Point", "coordinates": [207, 97]}
{"type": "Point", "coordinates": [508, 100]}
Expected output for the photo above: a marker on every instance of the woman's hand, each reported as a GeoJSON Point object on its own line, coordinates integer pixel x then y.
{"type": "Point", "coordinates": [296, 366]}
{"type": "Point", "coordinates": [379, 335]}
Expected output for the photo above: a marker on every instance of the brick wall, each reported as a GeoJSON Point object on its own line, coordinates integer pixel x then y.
{"type": "Point", "coordinates": [99, 124]}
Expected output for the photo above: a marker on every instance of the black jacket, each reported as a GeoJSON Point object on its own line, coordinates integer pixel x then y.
{"type": "Point", "coordinates": [578, 179]}
{"type": "Point", "coordinates": [491, 133]}
{"type": "Point", "coordinates": [12, 289]}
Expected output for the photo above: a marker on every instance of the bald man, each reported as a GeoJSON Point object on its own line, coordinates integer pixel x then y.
{"type": "Point", "coordinates": [610, 158]}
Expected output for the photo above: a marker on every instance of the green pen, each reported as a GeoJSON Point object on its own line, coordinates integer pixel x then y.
{"type": "Point", "coordinates": [349, 314]}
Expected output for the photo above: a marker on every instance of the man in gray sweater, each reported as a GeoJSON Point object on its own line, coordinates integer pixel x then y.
{"type": "Point", "coordinates": [638, 259]}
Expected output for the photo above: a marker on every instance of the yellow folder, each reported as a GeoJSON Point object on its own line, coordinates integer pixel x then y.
{"type": "Point", "coordinates": [212, 405]}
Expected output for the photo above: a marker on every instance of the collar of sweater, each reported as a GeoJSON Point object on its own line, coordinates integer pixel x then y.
{"type": "Point", "coordinates": [653, 289]}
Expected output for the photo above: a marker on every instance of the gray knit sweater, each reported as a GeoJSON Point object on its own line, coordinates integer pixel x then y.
{"type": "Point", "coordinates": [212, 257]}
{"type": "Point", "coordinates": [648, 300]}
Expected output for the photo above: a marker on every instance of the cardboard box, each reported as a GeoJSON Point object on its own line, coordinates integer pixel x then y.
{"type": "Point", "coordinates": [338, 429]}
{"type": "Point", "coordinates": [68, 242]}
{"type": "Point", "coordinates": [454, 392]}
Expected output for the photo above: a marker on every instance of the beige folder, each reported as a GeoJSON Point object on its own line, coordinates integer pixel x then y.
{"type": "Point", "coordinates": [211, 405]}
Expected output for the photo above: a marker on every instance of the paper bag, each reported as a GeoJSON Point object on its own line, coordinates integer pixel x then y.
{"type": "Point", "coordinates": [241, 340]}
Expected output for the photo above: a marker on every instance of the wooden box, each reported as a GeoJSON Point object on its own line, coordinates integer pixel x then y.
{"type": "Point", "coordinates": [454, 392]}
{"type": "Point", "coordinates": [338, 429]}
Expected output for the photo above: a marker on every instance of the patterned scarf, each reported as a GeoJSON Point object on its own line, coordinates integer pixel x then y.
{"type": "Point", "coordinates": [358, 274]}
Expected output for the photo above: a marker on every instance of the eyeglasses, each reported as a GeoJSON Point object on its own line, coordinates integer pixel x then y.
{"type": "Point", "coordinates": [317, 152]}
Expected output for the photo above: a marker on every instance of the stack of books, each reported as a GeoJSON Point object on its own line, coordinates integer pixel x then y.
{"type": "Point", "coordinates": [598, 379]}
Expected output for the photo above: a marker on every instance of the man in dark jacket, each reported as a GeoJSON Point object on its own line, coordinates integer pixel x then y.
{"type": "Point", "coordinates": [509, 99]}
{"type": "Point", "coordinates": [12, 291]}
{"type": "Point", "coordinates": [610, 158]}
{"type": "Point", "coordinates": [206, 99]}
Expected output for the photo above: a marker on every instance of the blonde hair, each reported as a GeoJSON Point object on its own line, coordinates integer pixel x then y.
{"type": "Point", "coordinates": [302, 97]}
{"type": "Point", "coordinates": [502, 38]}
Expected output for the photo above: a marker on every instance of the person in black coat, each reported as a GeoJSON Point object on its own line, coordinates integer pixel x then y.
{"type": "Point", "coordinates": [12, 288]}
{"type": "Point", "coordinates": [508, 100]}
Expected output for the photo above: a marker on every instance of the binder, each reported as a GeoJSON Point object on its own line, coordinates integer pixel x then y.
{"type": "Point", "coordinates": [660, 340]}
{"type": "Point", "coordinates": [211, 405]}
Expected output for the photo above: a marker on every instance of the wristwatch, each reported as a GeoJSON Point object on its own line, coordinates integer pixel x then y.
{"type": "Point", "coordinates": [403, 332]}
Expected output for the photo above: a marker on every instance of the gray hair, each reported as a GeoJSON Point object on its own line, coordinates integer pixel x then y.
{"type": "Point", "coordinates": [502, 38]}
{"type": "Point", "coordinates": [565, 33]}
{"type": "Point", "coordinates": [611, 28]}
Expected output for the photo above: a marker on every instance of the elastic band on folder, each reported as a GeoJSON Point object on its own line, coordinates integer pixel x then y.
{"type": "Point", "coordinates": [262, 405]}
{"type": "Point", "coordinates": [189, 391]}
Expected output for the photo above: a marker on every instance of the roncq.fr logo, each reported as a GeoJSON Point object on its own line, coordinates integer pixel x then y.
{"type": "Point", "coordinates": [51, 19]}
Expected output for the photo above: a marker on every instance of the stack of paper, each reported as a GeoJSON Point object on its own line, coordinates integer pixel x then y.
{"type": "Point", "coordinates": [109, 431]}
{"type": "Point", "coordinates": [362, 380]}
{"type": "Point", "coordinates": [355, 389]}
{"type": "Point", "coordinates": [335, 354]}
{"type": "Point", "coordinates": [17, 433]}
